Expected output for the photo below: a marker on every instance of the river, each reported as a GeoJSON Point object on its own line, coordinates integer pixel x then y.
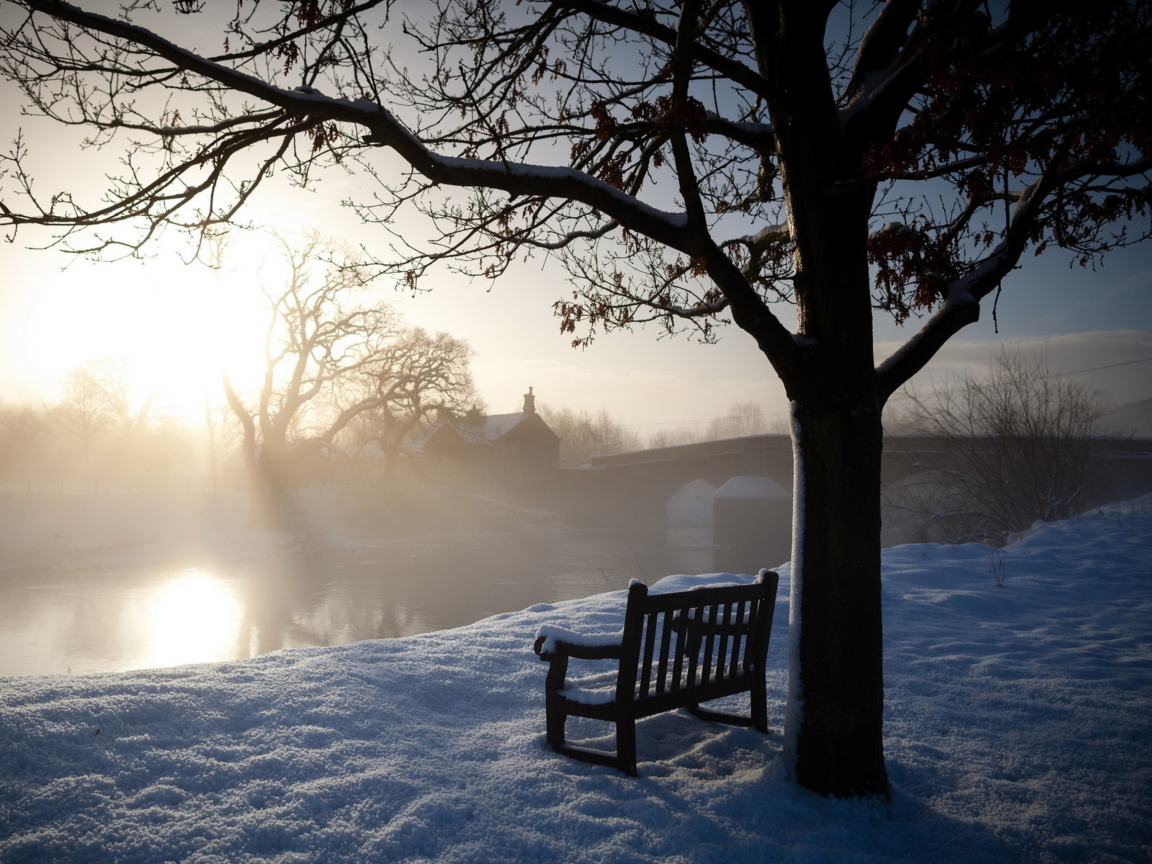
{"type": "Point", "coordinates": [115, 617]}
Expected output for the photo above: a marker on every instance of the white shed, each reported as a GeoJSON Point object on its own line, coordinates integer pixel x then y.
{"type": "Point", "coordinates": [751, 525]}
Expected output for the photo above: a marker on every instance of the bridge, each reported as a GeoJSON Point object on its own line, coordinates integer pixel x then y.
{"type": "Point", "coordinates": [637, 485]}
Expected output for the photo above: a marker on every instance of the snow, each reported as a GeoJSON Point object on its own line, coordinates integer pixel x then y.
{"type": "Point", "coordinates": [1018, 727]}
{"type": "Point", "coordinates": [752, 487]}
{"type": "Point", "coordinates": [551, 634]}
{"type": "Point", "coordinates": [592, 689]}
{"type": "Point", "coordinates": [615, 202]}
{"type": "Point", "coordinates": [795, 701]}
{"type": "Point", "coordinates": [871, 87]}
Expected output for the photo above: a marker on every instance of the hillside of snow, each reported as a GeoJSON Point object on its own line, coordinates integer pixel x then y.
{"type": "Point", "coordinates": [1019, 728]}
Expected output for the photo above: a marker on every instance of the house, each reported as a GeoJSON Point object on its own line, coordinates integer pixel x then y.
{"type": "Point", "coordinates": [508, 450]}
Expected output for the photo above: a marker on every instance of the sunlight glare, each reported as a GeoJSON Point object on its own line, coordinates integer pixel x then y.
{"type": "Point", "coordinates": [192, 618]}
{"type": "Point", "coordinates": [177, 327]}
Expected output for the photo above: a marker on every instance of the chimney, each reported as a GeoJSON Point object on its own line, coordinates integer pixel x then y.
{"type": "Point", "coordinates": [529, 402]}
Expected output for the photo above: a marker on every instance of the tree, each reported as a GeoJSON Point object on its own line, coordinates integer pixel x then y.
{"type": "Point", "coordinates": [118, 431]}
{"type": "Point", "coordinates": [584, 435]}
{"type": "Point", "coordinates": [96, 403]}
{"type": "Point", "coordinates": [221, 434]}
{"type": "Point", "coordinates": [84, 410]}
{"type": "Point", "coordinates": [315, 346]}
{"type": "Point", "coordinates": [22, 433]}
{"type": "Point", "coordinates": [691, 164]}
{"type": "Point", "coordinates": [1016, 447]}
{"type": "Point", "coordinates": [418, 378]}
{"type": "Point", "coordinates": [743, 418]}
{"type": "Point", "coordinates": [328, 364]}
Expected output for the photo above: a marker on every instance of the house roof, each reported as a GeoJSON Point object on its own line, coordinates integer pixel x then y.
{"type": "Point", "coordinates": [491, 428]}
{"type": "Point", "coordinates": [498, 425]}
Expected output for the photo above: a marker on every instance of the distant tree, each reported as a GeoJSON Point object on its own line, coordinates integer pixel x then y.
{"type": "Point", "coordinates": [114, 378]}
{"type": "Point", "coordinates": [150, 447]}
{"type": "Point", "coordinates": [23, 430]}
{"type": "Point", "coordinates": [692, 163]}
{"type": "Point", "coordinates": [93, 400]}
{"type": "Point", "coordinates": [743, 418]}
{"type": "Point", "coordinates": [219, 425]}
{"type": "Point", "coordinates": [317, 346]}
{"type": "Point", "coordinates": [675, 436]}
{"type": "Point", "coordinates": [82, 411]}
{"type": "Point", "coordinates": [1016, 446]}
{"type": "Point", "coordinates": [584, 435]}
{"type": "Point", "coordinates": [119, 432]}
{"type": "Point", "coordinates": [418, 378]}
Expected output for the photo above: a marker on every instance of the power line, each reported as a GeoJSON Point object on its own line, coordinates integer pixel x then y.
{"type": "Point", "coordinates": [1098, 368]}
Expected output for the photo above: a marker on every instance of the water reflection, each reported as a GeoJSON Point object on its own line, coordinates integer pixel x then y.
{"type": "Point", "coordinates": [105, 620]}
{"type": "Point", "coordinates": [191, 618]}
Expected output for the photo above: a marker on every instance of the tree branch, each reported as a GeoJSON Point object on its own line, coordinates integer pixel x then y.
{"type": "Point", "coordinates": [648, 26]}
{"type": "Point", "coordinates": [961, 306]}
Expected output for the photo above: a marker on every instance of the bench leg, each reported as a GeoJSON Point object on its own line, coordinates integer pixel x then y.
{"type": "Point", "coordinates": [759, 696]}
{"type": "Point", "coordinates": [555, 725]}
{"type": "Point", "coordinates": [626, 745]}
{"type": "Point", "coordinates": [555, 717]}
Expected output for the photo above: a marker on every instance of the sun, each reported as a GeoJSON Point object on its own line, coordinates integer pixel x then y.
{"type": "Point", "coordinates": [194, 617]}
{"type": "Point", "coordinates": [174, 328]}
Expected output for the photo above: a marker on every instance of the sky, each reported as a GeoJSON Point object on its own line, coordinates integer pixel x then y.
{"type": "Point", "coordinates": [178, 327]}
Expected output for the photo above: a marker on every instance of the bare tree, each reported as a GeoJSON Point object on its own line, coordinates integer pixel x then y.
{"type": "Point", "coordinates": [22, 434]}
{"type": "Point", "coordinates": [82, 411]}
{"type": "Point", "coordinates": [1016, 446]}
{"type": "Point", "coordinates": [119, 432]}
{"type": "Point", "coordinates": [584, 435]}
{"type": "Point", "coordinates": [417, 378]}
{"type": "Point", "coordinates": [743, 418]}
{"type": "Point", "coordinates": [315, 345]}
{"type": "Point", "coordinates": [692, 164]}
{"type": "Point", "coordinates": [221, 430]}
{"type": "Point", "coordinates": [94, 400]}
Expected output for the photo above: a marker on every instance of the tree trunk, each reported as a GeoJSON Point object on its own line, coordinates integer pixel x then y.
{"type": "Point", "coordinates": [391, 464]}
{"type": "Point", "coordinates": [266, 476]}
{"type": "Point", "coordinates": [833, 732]}
{"type": "Point", "coordinates": [834, 728]}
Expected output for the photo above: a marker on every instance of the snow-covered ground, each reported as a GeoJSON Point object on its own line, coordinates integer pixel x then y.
{"type": "Point", "coordinates": [1019, 728]}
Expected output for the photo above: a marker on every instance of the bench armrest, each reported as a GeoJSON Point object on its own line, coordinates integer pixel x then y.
{"type": "Point", "coordinates": [553, 641]}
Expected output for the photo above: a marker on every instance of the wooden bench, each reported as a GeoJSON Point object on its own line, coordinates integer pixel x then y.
{"type": "Point", "coordinates": [675, 651]}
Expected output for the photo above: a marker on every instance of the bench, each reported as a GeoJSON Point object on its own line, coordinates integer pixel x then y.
{"type": "Point", "coordinates": [675, 651]}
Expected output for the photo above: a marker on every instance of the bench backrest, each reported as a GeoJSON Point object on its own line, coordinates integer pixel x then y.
{"type": "Point", "coordinates": [690, 646]}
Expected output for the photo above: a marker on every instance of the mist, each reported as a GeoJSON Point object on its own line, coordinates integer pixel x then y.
{"type": "Point", "coordinates": [134, 540]}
